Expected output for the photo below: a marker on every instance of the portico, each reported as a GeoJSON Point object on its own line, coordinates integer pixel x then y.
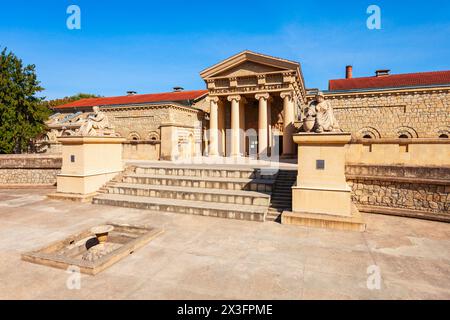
{"type": "Point", "coordinates": [254, 100]}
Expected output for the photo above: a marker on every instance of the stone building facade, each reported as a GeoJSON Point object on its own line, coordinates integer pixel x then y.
{"type": "Point", "coordinates": [151, 127]}
{"type": "Point", "coordinates": [253, 103]}
{"type": "Point", "coordinates": [415, 105]}
{"type": "Point", "coordinates": [254, 100]}
{"type": "Point", "coordinates": [394, 114]}
{"type": "Point", "coordinates": [164, 126]}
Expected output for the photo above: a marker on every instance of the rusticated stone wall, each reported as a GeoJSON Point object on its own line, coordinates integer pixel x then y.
{"type": "Point", "coordinates": [144, 122]}
{"type": "Point", "coordinates": [401, 190]}
{"type": "Point", "coordinates": [29, 169]}
{"type": "Point", "coordinates": [416, 114]}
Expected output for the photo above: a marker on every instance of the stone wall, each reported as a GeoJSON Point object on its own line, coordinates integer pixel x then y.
{"type": "Point", "coordinates": [422, 192]}
{"type": "Point", "coordinates": [29, 169]}
{"type": "Point", "coordinates": [419, 113]}
{"type": "Point", "coordinates": [422, 152]}
{"type": "Point", "coordinates": [144, 122]}
{"type": "Point", "coordinates": [141, 150]}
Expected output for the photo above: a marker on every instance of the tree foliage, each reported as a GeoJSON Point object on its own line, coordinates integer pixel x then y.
{"type": "Point", "coordinates": [61, 101]}
{"type": "Point", "coordinates": [22, 113]}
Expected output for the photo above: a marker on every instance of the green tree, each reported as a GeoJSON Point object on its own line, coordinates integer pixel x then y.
{"type": "Point", "coordinates": [22, 114]}
{"type": "Point", "coordinates": [61, 101]}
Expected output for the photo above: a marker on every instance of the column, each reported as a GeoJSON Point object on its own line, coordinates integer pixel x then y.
{"type": "Point", "coordinates": [222, 133]}
{"type": "Point", "coordinates": [235, 149]}
{"type": "Point", "coordinates": [242, 136]}
{"type": "Point", "coordinates": [288, 123]}
{"type": "Point", "coordinates": [213, 126]}
{"type": "Point", "coordinates": [262, 124]}
{"type": "Point", "coordinates": [269, 122]}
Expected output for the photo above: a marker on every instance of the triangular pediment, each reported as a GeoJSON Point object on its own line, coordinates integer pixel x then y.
{"type": "Point", "coordinates": [247, 68]}
{"type": "Point", "coordinates": [248, 63]}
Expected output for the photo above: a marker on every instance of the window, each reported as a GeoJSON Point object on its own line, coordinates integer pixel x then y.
{"type": "Point", "coordinates": [367, 136]}
{"type": "Point", "coordinates": [403, 136]}
{"type": "Point", "coordinates": [443, 136]}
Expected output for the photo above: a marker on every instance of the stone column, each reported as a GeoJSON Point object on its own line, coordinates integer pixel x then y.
{"type": "Point", "coordinates": [262, 124]}
{"type": "Point", "coordinates": [222, 131]}
{"type": "Point", "coordinates": [213, 126]}
{"type": "Point", "coordinates": [288, 123]}
{"type": "Point", "coordinates": [242, 136]}
{"type": "Point", "coordinates": [235, 125]}
{"type": "Point", "coordinates": [269, 123]}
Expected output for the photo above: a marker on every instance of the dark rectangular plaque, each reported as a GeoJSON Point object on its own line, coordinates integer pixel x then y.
{"type": "Point", "coordinates": [320, 164]}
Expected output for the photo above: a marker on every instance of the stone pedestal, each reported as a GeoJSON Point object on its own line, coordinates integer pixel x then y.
{"type": "Point", "coordinates": [321, 193]}
{"type": "Point", "coordinates": [88, 163]}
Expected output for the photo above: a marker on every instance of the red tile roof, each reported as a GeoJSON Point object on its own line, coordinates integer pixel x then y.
{"type": "Point", "coordinates": [392, 81]}
{"type": "Point", "coordinates": [136, 99]}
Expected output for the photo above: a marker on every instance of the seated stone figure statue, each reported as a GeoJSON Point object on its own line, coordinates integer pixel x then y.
{"type": "Point", "coordinates": [325, 120]}
{"type": "Point", "coordinates": [96, 124]}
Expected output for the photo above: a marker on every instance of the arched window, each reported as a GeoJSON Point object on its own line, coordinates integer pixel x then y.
{"type": "Point", "coordinates": [368, 133]}
{"type": "Point", "coordinates": [153, 136]}
{"type": "Point", "coordinates": [134, 136]}
{"type": "Point", "coordinates": [406, 132]}
{"type": "Point", "coordinates": [443, 132]}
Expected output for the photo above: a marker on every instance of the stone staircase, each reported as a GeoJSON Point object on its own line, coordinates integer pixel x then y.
{"type": "Point", "coordinates": [281, 195]}
{"type": "Point", "coordinates": [236, 193]}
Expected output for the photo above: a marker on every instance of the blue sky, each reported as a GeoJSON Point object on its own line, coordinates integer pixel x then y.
{"type": "Point", "coordinates": [151, 46]}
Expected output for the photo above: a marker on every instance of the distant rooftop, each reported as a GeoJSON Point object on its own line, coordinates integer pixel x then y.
{"type": "Point", "coordinates": [175, 96]}
{"type": "Point", "coordinates": [391, 81]}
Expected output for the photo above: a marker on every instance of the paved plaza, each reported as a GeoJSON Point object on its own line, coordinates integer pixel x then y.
{"type": "Point", "coordinates": [210, 258]}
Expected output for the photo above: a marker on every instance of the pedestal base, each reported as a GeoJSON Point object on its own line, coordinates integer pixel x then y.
{"type": "Point", "coordinates": [88, 163]}
{"type": "Point", "coordinates": [72, 196]}
{"type": "Point", "coordinates": [322, 200]}
{"type": "Point", "coordinates": [83, 184]}
{"type": "Point", "coordinates": [353, 223]}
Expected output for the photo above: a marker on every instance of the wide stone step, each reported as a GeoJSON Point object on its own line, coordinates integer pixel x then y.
{"type": "Point", "coordinates": [273, 216]}
{"type": "Point", "coordinates": [194, 194]}
{"type": "Point", "coordinates": [221, 210]}
{"type": "Point", "coordinates": [211, 172]}
{"type": "Point", "coordinates": [261, 185]}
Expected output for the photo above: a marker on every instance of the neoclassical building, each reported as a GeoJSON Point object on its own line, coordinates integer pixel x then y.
{"type": "Point", "coordinates": [251, 92]}
{"type": "Point", "coordinates": [253, 104]}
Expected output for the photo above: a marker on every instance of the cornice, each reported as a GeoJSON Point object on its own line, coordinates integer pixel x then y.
{"type": "Point", "coordinates": [151, 106]}
{"type": "Point", "coordinates": [384, 92]}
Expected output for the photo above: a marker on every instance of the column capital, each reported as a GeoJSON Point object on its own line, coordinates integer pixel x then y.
{"type": "Point", "coordinates": [234, 97]}
{"type": "Point", "coordinates": [287, 94]}
{"type": "Point", "coordinates": [264, 96]}
{"type": "Point", "coordinates": [213, 99]}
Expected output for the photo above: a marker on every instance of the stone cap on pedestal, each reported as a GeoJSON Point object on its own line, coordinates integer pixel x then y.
{"type": "Point", "coordinates": [322, 138]}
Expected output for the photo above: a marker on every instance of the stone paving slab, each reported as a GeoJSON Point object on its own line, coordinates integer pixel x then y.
{"type": "Point", "coordinates": [207, 258]}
